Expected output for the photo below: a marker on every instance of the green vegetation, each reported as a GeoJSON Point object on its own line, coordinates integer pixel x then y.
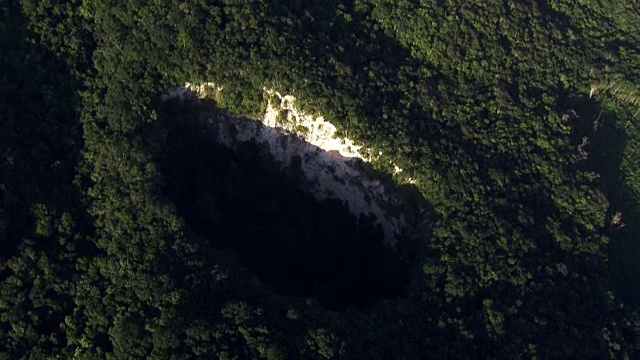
{"type": "Point", "coordinates": [124, 233]}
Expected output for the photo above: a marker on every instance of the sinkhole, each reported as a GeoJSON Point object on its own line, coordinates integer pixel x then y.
{"type": "Point", "coordinates": [248, 187]}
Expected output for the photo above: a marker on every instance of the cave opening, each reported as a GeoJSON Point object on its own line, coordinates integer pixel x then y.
{"type": "Point", "coordinates": [245, 200]}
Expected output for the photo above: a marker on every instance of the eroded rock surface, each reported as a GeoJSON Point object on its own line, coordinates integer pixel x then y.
{"type": "Point", "coordinates": [328, 162]}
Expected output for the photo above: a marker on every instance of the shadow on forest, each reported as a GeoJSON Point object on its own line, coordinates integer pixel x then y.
{"type": "Point", "coordinates": [243, 199]}
{"type": "Point", "coordinates": [608, 140]}
{"type": "Point", "coordinates": [40, 153]}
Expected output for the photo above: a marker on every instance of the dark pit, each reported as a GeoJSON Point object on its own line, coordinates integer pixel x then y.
{"type": "Point", "coordinates": [245, 200]}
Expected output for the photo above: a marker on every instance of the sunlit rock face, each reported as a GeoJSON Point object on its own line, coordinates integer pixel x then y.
{"type": "Point", "coordinates": [309, 143]}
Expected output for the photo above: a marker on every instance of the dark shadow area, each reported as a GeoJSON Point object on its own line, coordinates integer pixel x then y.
{"type": "Point", "coordinates": [40, 135]}
{"type": "Point", "coordinates": [243, 199]}
{"type": "Point", "coordinates": [608, 139]}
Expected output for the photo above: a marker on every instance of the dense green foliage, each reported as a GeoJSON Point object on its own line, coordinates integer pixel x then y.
{"type": "Point", "coordinates": [518, 120]}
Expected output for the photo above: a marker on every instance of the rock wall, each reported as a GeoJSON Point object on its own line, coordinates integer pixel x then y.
{"type": "Point", "coordinates": [327, 161]}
